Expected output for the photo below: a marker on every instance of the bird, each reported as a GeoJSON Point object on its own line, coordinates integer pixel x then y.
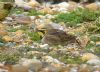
{"type": "Point", "coordinates": [5, 8]}
{"type": "Point", "coordinates": [57, 37]}
{"type": "Point", "coordinates": [54, 35]}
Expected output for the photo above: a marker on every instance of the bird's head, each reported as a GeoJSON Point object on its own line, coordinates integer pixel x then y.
{"type": "Point", "coordinates": [43, 29]}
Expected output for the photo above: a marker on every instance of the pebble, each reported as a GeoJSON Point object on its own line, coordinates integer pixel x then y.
{"type": "Point", "coordinates": [7, 38]}
{"type": "Point", "coordinates": [13, 68]}
{"type": "Point", "coordinates": [19, 68]}
{"type": "Point", "coordinates": [94, 62]}
{"type": "Point", "coordinates": [36, 53]}
{"type": "Point", "coordinates": [35, 66]}
{"type": "Point", "coordinates": [31, 64]}
{"type": "Point", "coordinates": [45, 46]}
{"type": "Point", "coordinates": [74, 69]}
{"type": "Point", "coordinates": [49, 16]}
{"type": "Point", "coordinates": [89, 56]}
{"type": "Point", "coordinates": [47, 10]}
{"type": "Point", "coordinates": [19, 3]}
{"type": "Point", "coordinates": [54, 26]}
{"type": "Point", "coordinates": [63, 5]}
{"type": "Point", "coordinates": [49, 69]}
{"type": "Point", "coordinates": [57, 9]}
{"type": "Point", "coordinates": [33, 3]}
{"type": "Point", "coordinates": [97, 44]}
{"type": "Point", "coordinates": [32, 17]}
{"type": "Point", "coordinates": [49, 59]}
{"type": "Point", "coordinates": [19, 33]}
{"type": "Point", "coordinates": [84, 68]}
{"type": "Point", "coordinates": [26, 7]}
{"type": "Point", "coordinates": [72, 6]}
{"type": "Point", "coordinates": [92, 6]}
{"type": "Point", "coordinates": [3, 32]}
{"type": "Point", "coordinates": [23, 20]}
{"type": "Point", "coordinates": [9, 18]}
{"type": "Point", "coordinates": [2, 26]}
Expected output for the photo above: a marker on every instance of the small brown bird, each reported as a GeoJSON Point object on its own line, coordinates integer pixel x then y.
{"type": "Point", "coordinates": [57, 37]}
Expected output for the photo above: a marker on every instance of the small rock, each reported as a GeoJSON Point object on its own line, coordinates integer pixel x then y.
{"type": "Point", "coordinates": [49, 16]}
{"type": "Point", "coordinates": [13, 68]}
{"type": "Point", "coordinates": [98, 4]}
{"type": "Point", "coordinates": [35, 53]}
{"type": "Point", "coordinates": [19, 3]}
{"type": "Point", "coordinates": [7, 38]}
{"type": "Point", "coordinates": [35, 67]}
{"type": "Point", "coordinates": [10, 44]}
{"type": "Point", "coordinates": [84, 68]}
{"type": "Point", "coordinates": [32, 65]}
{"type": "Point", "coordinates": [49, 69]}
{"type": "Point", "coordinates": [44, 46]}
{"type": "Point", "coordinates": [9, 18]}
{"type": "Point", "coordinates": [23, 20]}
{"type": "Point", "coordinates": [25, 13]}
{"type": "Point", "coordinates": [49, 59]}
{"type": "Point", "coordinates": [3, 70]}
{"type": "Point", "coordinates": [46, 10]}
{"type": "Point", "coordinates": [94, 62]}
{"type": "Point", "coordinates": [26, 7]}
{"type": "Point", "coordinates": [92, 6]}
{"type": "Point", "coordinates": [72, 6]}
{"type": "Point", "coordinates": [33, 3]}
{"type": "Point", "coordinates": [2, 26]}
{"type": "Point", "coordinates": [3, 32]}
{"type": "Point", "coordinates": [58, 67]}
{"type": "Point", "coordinates": [32, 17]}
{"type": "Point", "coordinates": [74, 69]}
{"type": "Point", "coordinates": [63, 4]}
{"type": "Point", "coordinates": [19, 68]}
{"type": "Point", "coordinates": [47, 21]}
{"type": "Point", "coordinates": [17, 39]}
{"type": "Point", "coordinates": [97, 44]}
{"type": "Point", "coordinates": [19, 33]}
{"type": "Point", "coordinates": [6, 22]}
{"type": "Point", "coordinates": [57, 9]}
{"type": "Point", "coordinates": [54, 26]}
{"type": "Point", "coordinates": [89, 56]}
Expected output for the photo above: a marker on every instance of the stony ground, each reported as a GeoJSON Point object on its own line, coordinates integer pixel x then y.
{"type": "Point", "coordinates": [22, 32]}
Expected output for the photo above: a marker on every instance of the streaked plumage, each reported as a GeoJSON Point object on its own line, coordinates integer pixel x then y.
{"type": "Point", "coordinates": [56, 37]}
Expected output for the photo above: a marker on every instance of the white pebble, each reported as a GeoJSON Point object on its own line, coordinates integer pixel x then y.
{"type": "Point", "coordinates": [94, 62]}
{"type": "Point", "coordinates": [9, 18]}
{"type": "Point", "coordinates": [44, 46]}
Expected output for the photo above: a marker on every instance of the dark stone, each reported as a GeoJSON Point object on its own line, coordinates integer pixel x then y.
{"type": "Point", "coordinates": [8, 5]}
